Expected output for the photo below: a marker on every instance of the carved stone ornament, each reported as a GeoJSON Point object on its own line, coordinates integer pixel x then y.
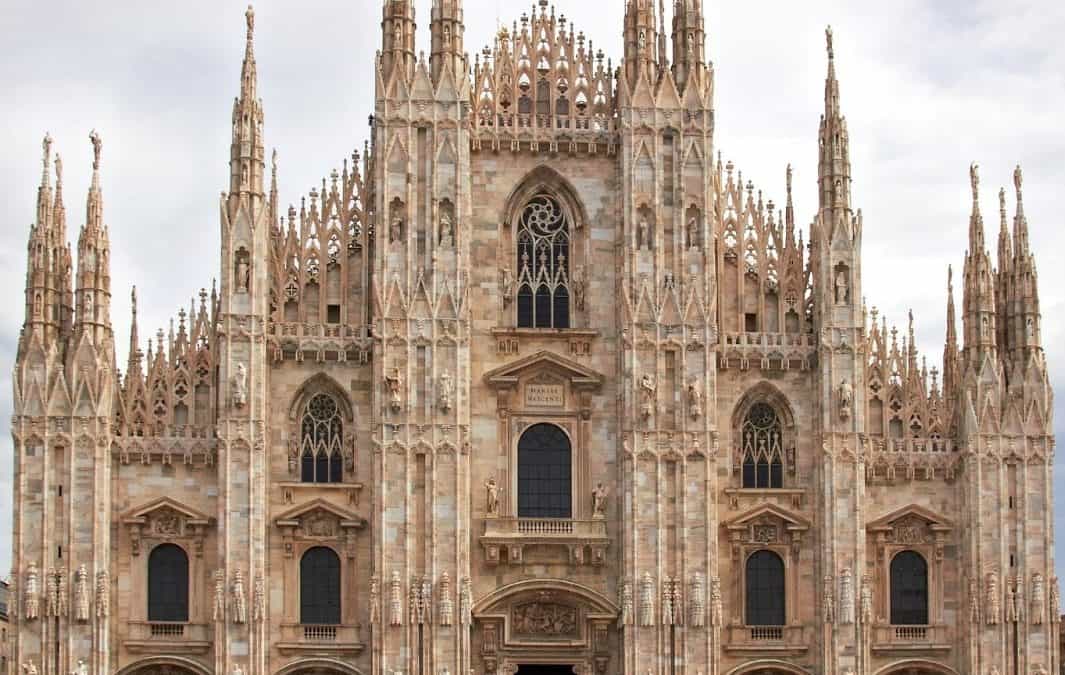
{"type": "Point", "coordinates": [648, 392]}
{"type": "Point", "coordinates": [974, 602]}
{"type": "Point", "coordinates": [258, 605]}
{"type": "Point", "coordinates": [599, 495]}
{"type": "Point", "coordinates": [240, 604]}
{"type": "Point", "coordinates": [1038, 611]}
{"type": "Point", "coordinates": [445, 604]}
{"type": "Point", "coordinates": [846, 597]}
{"type": "Point", "coordinates": [544, 619]}
{"type": "Point", "coordinates": [81, 668]}
{"type": "Point", "coordinates": [445, 392]}
{"type": "Point", "coordinates": [81, 594]}
{"type": "Point", "coordinates": [394, 385]}
{"type": "Point", "coordinates": [866, 613]}
{"type": "Point", "coordinates": [697, 599]}
{"type": "Point", "coordinates": [828, 600]}
{"type": "Point", "coordinates": [695, 399]}
{"type": "Point", "coordinates": [218, 612]}
{"type": "Point", "coordinates": [240, 386]}
{"type": "Point", "coordinates": [29, 668]}
{"type": "Point", "coordinates": [992, 612]}
{"type": "Point", "coordinates": [626, 604]}
{"type": "Point", "coordinates": [395, 600]}
{"type": "Point", "coordinates": [717, 610]}
{"type": "Point", "coordinates": [647, 600]}
{"type": "Point", "coordinates": [846, 400]}
{"type": "Point", "coordinates": [319, 525]}
{"type": "Point", "coordinates": [103, 594]}
{"type": "Point", "coordinates": [167, 523]}
{"type": "Point", "coordinates": [1055, 601]}
{"type": "Point", "coordinates": [465, 602]}
{"type": "Point", "coordinates": [375, 601]}
{"type": "Point", "coordinates": [492, 490]}
{"type": "Point", "coordinates": [31, 593]}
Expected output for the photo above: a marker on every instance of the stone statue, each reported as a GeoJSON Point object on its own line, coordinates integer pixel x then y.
{"type": "Point", "coordinates": [446, 605]}
{"type": "Point", "coordinates": [642, 40]}
{"type": "Point", "coordinates": [693, 231]}
{"type": "Point", "coordinates": [465, 602]}
{"type": "Point", "coordinates": [31, 601]}
{"type": "Point", "coordinates": [506, 286]}
{"type": "Point", "coordinates": [842, 287]}
{"type": "Point", "coordinates": [445, 389]}
{"type": "Point", "coordinates": [237, 670]}
{"type": "Point", "coordinates": [491, 497]}
{"type": "Point", "coordinates": [579, 288]}
{"type": "Point", "coordinates": [395, 232]}
{"type": "Point", "coordinates": [447, 35]}
{"type": "Point", "coordinates": [243, 274]}
{"type": "Point", "coordinates": [29, 668]}
{"type": "Point", "coordinates": [846, 597]}
{"type": "Point", "coordinates": [52, 603]}
{"type": "Point", "coordinates": [1038, 612]}
{"type": "Point", "coordinates": [647, 600]}
{"type": "Point", "coordinates": [219, 607]}
{"type": "Point", "coordinates": [240, 386]}
{"type": "Point", "coordinates": [993, 670]}
{"type": "Point", "coordinates": [258, 604]}
{"type": "Point", "coordinates": [1029, 329]}
{"type": "Point", "coordinates": [599, 495]}
{"type": "Point", "coordinates": [103, 594]}
{"type": "Point", "coordinates": [626, 604]}
{"type": "Point", "coordinates": [1011, 603]}
{"type": "Point", "coordinates": [240, 606]}
{"type": "Point", "coordinates": [828, 601]}
{"type": "Point", "coordinates": [669, 282]}
{"type": "Point", "coordinates": [717, 610]}
{"type": "Point", "coordinates": [414, 603]}
{"type": "Point", "coordinates": [394, 383]}
{"type": "Point", "coordinates": [648, 389]}
{"type": "Point", "coordinates": [81, 669]}
{"type": "Point", "coordinates": [1019, 584]}
{"type": "Point", "coordinates": [395, 599]}
{"type": "Point", "coordinates": [447, 231]}
{"type": "Point", "coordinates": [992, 599]}
{"type": "Point", "coordinates": [866, 613]}
{"type": "Point", "coordinates": [375, 601]}
{"type": "Point", "coordinates": [695, 399]}
{"type": "Point", "coordinates": [426, 600]}
{"type": "Point", "coordinates": [846, 399]}
{"type": "Point", "coordinates": [1055, 601]}
{"type": "Point", "coordinates": [642, 234]}
{"type": "Point", "coordinates": [698, 601]}
{"type": "Point", "coordinates": [81, 594]}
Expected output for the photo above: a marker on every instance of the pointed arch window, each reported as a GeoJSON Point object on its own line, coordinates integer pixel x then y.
{"type": "Point", "coordinates": [320, 587]}
{"type": "Point", "coordinates": [763, 454]}
{"type": "Point", "coordinates": [545, 473]}
{"type": "Point", "coordinates": [909, 589]}
{"type": "Point", "coordinates": [322, 434]}
{"type": "Point", "coordinates": [168, 584]}
{"type": "Point", "coordinates": [543, 262]}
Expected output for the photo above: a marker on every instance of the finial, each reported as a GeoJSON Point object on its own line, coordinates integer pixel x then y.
{"type": "Point", "coordinates": [950, 278]}
{"type": "Point", "coordinates": [133, 300]}
{"type": "Point", "coordinates": [974, 178]}
{"type": "Point", "coordinates": [828, 40]}
{"type": "Point", "coordinates": [46, 145]}
{"type": "Point", "coordinates": [1018, 180]}
{"type": "Point", "coordinates": [789, 182]}
{"type": "Point", "coordinates": [97, 147]}
{"type": "Point", "coordinates": [273, 161]}
{"type": "Point", "coordinates": [58, 170]}
{"type": "Point", "coordinates": [250, 16]}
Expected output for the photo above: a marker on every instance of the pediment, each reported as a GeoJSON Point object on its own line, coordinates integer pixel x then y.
{"type": "Point", "coordinates": [319, 518]}
{"type": "Point", "coordinates": [546, 364]}
{"type": "Point", "coordinates": [903, 522]}
{"type": "Point", "coordinates": [767, 514]}
{"type": "Point", "coordinates": [165, 513]}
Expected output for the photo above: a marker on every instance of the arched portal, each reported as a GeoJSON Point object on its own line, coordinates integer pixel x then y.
{"type": "Point", "coordinates": [165, 665]}
{"type": "Point", "coordinates": [319, 666]}
{"type": "Point", "coordinates": [916, 667]}
{"type": "Point", "coordinates": [767, 667]}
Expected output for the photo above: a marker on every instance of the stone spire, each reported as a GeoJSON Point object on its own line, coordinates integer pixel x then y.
{"type": "Point", "coordinates": [48, 257]}
{"type": "Point", "coordinates": [246, 159]}
{"type": "Point", "coordinates": [1003, 279]}
{"type": "Point", "coordinates": [979, 297]}
{"type": "Point", "coordinates": [834, 169]}
{"type": "Point", "coordinates": [447, 31]}
{"type": "Point", "coordinates": [950, 347]}
{"type": "Point", "coordinates": [689, 42]}
{"type": "Point", "coordinates": [398, 32]}
{"type": "Point", "coordinates": [641, 37]}
{"type": "Point", "coordinates": [1026, 324]}
{"type": "Point", "coordinates": [94, 267]}
{"type": "Point", "coordinates": [133, 369]}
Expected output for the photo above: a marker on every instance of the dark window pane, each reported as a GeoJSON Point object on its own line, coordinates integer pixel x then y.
{"type": "Point", "coordinates": [336, 468]}
{"type": "Point", "coordinates": [320, 587]}
{"type": "Point", "coordinates": [543, 307]}
{"type": "Point", "coordinates": [763, 474]}
{"type": "Point", "coordinates": [168, 584]}
{"type": "Point", "coordinates": [909, 590]}
{"type": "Point", "coordinates": [749, 479]}
{"type": "Point", "coordinates": [307, 470]}
{"type": "Point", "coordinates": [321, 468]}
{"type": "Point", "coordinates": [561, 308]}
{"type": "Point", "coordinates": [765, 589]}
{"type": "Point", "coordinates": [525, 307]}
{"type": "Point", "coordinates": [544, 473]}
{"type": "Point", "coordinates": [776, 474]}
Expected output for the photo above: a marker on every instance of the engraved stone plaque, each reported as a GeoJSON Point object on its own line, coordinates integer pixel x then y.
{"type": "Point", "coordinates": [540, 395]}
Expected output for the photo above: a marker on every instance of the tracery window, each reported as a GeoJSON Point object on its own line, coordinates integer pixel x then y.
{"type": "Point", "coordinates": [320, 587]}
{"type": "Point", "coordinates": [322, 434]}
{"type": "Point", "coordinates": [545, 473]}
{"type": "Point", "coordinates": [909, 589]}
{"type": "Point", "coordinates": [763, 453]}
{"type": "Point", "coordinates": [765, 589]}
{"type": "Point", "coordinates": [168, 584]}
{"type": "Point", "coordinates": [543, 237]}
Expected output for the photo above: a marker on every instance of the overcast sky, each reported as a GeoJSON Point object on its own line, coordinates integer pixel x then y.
{"type": "Point", "coordinates": [928, 87]}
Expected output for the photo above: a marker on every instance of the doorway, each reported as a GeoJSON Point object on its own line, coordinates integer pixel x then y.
{"type": "Point", "coordinates": [544, 669]}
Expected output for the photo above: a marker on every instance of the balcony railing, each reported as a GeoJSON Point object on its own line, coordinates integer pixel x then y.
{"type": "Point", "coordinates": [903, 638]}
{"type": "Point", "coordinates": [767, 633]}
{"type": "Point", "coordinates": [563, 528]}
{"type": "Point", "coordinates": [320, 633]}
{"type": "Point", "coordinates": [168, 637]}
{"type": "Point", "coordinates": [333, 639]}
{"type": "Point", "coordinates": [764, 639]}
{"type": "Point", "coordinates": [166, 630]}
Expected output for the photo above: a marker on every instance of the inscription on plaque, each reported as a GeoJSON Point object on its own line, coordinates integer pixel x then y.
{"type": "Point", "coordinates": [545, 395]}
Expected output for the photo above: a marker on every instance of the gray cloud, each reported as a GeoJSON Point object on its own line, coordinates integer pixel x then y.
{"type": "Point", "coordinates": [928, 86]}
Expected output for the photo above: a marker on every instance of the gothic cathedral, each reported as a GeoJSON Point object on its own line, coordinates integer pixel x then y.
{"type": "Point", "coordinates": [533, 384]}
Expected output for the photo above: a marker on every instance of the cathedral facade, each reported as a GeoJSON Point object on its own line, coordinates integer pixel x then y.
{"type": "Point", "coordinates": [536, 384]}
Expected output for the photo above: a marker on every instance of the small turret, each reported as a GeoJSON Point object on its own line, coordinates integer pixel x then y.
{"type": "Point", "coordinates": [447, 31]}
{"type": "Point", "coordinates": [641, 38]}
{"type": "Point", "coordinates": [834, 166]}
{"type": "Point", "coordinates": [93, 314]}
{"type": "Point", "coordinates": [689, 42]}
{"type": "Point", "coordinates": [247, 155]}
{"type": "Point", "coordinates": [979, 297]}
{"type": "Point", "coordinates": [398, 33]}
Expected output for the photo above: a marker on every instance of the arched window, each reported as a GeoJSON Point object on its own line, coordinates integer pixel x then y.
{"type": "Point", "coordinates": [543, 264]}
{"type": "Point", "coordinates": [322, 434]}
{"type": "Point", "coordinates": [763, 455]}
{"type": "Point", "coordinates": [320, 587]}
{"type": "Point", "coordinates": [765, 589]}
{"type": "Point", "coordinates": [544, 473]}
{"type": "Point", "coordinates": [909, 590]}
{"type": "Point", "coordinates": [168, 584]}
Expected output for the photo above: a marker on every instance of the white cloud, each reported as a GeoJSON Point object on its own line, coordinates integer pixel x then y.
{"type": "Point", "coordinates": [928, 86]}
